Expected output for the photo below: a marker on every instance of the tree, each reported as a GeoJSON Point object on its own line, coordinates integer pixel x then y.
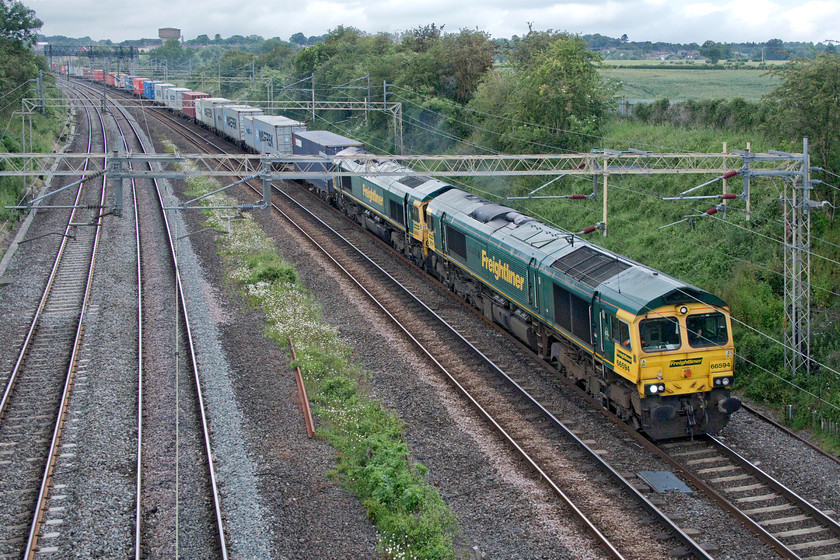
{"type": "Point", "coordinates": [808, 101]}
{"type": "Point", "coordinates": [712, 51]}
{"type": "Point", "coordinates": [463, 59]}
{"type": "Point", "coordinates": [18, 23]}
{"type": "Point", "coordinates": [298, 38]}
{"type": "Point", "coordinates": [555, 85]}
{"type": "Point", "coordinates": [775, 50]}
{"type": "Point", "coordinates": [421, 39]}
{"type": "Point", "coordinates": [172, 51]}
{"type": "Point", "coordinates": [236, 62]}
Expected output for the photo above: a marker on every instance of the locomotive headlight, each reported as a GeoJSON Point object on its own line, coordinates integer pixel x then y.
{"type": "Point", "coordinates": [683, 310]}
{"type": "Point", "coordinates": [723, 381]}
{"type": "Point", "coordinates": [655, 389]}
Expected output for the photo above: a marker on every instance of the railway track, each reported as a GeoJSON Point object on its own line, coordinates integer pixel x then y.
{"type": "Point", "coordinates": [178, 508]}
{"type": "Point", "coordinates": [792, 525]}
{"type": "Point", "coordinates": [34, 403]}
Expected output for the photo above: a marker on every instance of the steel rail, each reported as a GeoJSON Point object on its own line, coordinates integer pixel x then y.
{"type": "Point", "coordinates": [139, 467]}
{"type": "Point", "coordinates": [791, 433]}
{"type": "Point", "coordinates": [786, 493]}
{"type": "Point", "coordinates": [217, 504]}
{"type": "Point", "coordinates": [32, 541]}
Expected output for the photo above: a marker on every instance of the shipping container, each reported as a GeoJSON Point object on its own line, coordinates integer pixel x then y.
{"type": "Point", "coordinates": [99, 75]}
{"type": "Point", "coordinates": [248, 136]}
{"type": "Point", "coordinates": [172, 97]}
{"type": "Point", "coordinates": [160, 92]}
{"type": "Point", "coordinates": [128, 83]}
{"type": "Point", "coordinates": [320, 143]}
{"type": "Point", "coordinates": [205, 110]}
{"type": "Point", "coordinates": [218, 123]}
{"type": "Point", "coordinates": [110, 78]}
{"type": "Point", "coordinates": [179, 98]}
{"type": "Point", "coordinates": [188, 102]}
{"type": "Point", "coordinates": [233, 120]}
{"type": "Point", "coordinates": [137, 86]}
{"type": "Point", "coordinates": [274, 134]}
{"type": "Point", "coordinates": [149, 88]}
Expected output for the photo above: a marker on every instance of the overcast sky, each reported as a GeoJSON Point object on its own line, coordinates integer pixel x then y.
{"type": "Point", "coordinates": [641, 20]}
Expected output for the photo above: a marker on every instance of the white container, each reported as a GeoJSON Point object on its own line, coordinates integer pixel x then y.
{"type": "Point", "coordinates": [274, 134]}
{"type": "Point", "coordinates": [173, 97]}
{"type": "Point", "coordinates": [204, 109]}
{"type": "Point", "coordinates": [160, 92]}
{"type": "Point", "coordinates": [248, 136]}
{"type": "Point", "coordinates": [233, 119]}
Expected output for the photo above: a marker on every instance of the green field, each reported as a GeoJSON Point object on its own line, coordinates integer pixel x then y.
{"type": "Point", "coordinates": [687, 83]}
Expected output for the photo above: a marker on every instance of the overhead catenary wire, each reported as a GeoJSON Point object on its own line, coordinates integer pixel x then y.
{"type": "Point", "coordinates": [426, 127]}
{"type": "Point", "coordinates": [493, 132]}
{"type": "Point", "coordinates": [603, 139]}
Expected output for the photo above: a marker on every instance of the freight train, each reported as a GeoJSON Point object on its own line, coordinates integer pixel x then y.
{"type": "Point", "coordinates": [654, 350]}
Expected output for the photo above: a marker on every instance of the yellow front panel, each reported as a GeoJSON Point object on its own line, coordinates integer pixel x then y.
{"type": "Point", "coordinates": [686, 369]}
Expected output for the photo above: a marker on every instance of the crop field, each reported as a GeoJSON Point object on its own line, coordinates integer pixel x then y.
{"type": "Point", "coordinates": [687, 83]}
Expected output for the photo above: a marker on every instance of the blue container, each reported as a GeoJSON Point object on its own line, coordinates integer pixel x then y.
{"type": "Point", "coordinates": [149, 88]}
{"type": "Point", "coordinates": [321, 143]}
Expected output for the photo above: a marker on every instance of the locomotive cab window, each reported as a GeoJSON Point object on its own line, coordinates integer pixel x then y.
{"type": "Point", "coordinates": [660, 334]}
{"type": "Point", "coordinates": [620, 332]}
{"type": "Point", "coordinates": [708, 329]}
{"type": "Point", "coordinates": [347, 183]}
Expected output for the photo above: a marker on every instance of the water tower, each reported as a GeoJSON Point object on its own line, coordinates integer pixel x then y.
{"type": "Point", "coordinates": [166, 33]}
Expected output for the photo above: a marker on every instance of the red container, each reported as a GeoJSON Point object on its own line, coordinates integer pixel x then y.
{"type": "Point", "coordinates": [189, 98]}
{"type": "Point", "coordinates": [137, 83]}
{"type": "Point", "coordinates": [98, 75]}
{"type": "Point", "coordinates": [110, 78]}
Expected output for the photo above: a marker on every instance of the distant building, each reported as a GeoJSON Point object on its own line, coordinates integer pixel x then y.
{"type": "Point", "coordinates": [166, 33]}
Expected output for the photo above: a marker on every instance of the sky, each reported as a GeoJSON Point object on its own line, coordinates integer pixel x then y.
{"type": "Point", "coordinates": [674, 21]}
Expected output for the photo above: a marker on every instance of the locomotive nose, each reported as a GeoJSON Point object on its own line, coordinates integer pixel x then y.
{"type": "Point", "coordinates": [729, 405]}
